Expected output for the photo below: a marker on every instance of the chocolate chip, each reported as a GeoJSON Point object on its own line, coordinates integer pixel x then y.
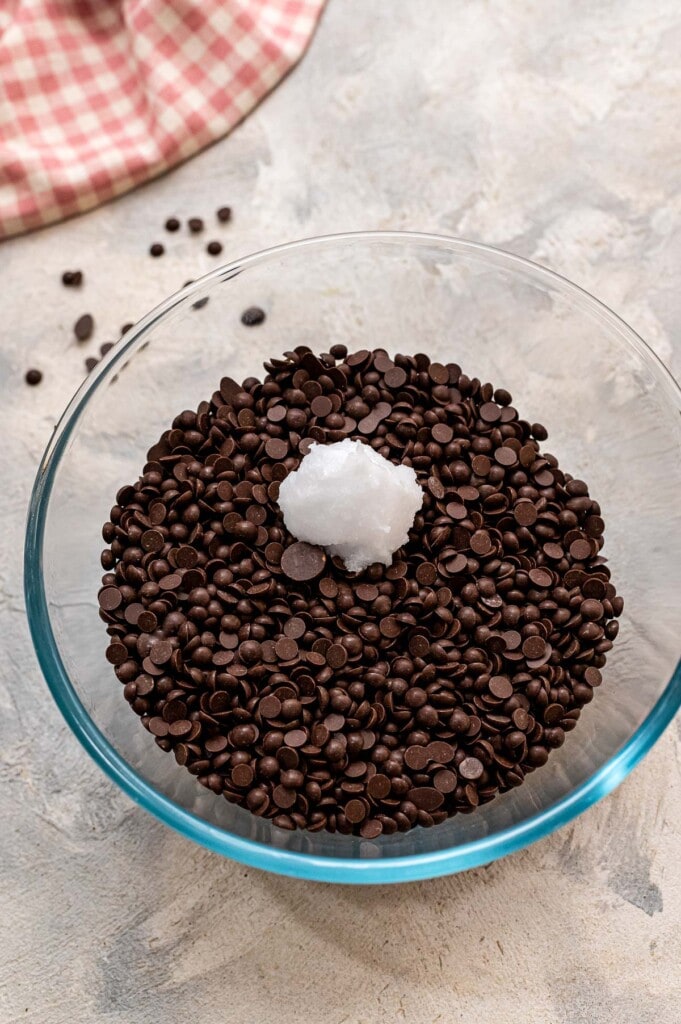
{"type": "Point", "coordinates": [284, 797]}
{"type": "Point", "coordinates": [580, 550]}
{"type": "Point", "coordinates": [276, 448]}
{"type": "Point", "coordinates": [471, 769]}
{"type": "Point", "coordinates": [224, 214]}
{"type": "Point", "coordinates": [426, 798]}
{"type": "Point", "coordinates": [416, 758]}
{"type": "Point", "coordinates": [534, 647]}
{"type": "Point", "coordinates": [426, 574]}
{"type": "Point", "coordinates": [110, 598]}
{"type": "Point", "coordinates": [172, 224]}
{"type": "Point", "coordinates": [505, 457]}
{"type": "Point", "coordinates": [444, 781]}
{"type": "Point", "coordinates": [296, 738]}
{"type": "Point", "coordinates": [592, 676]}
{"type": "Point", "coordinates": [161, 652]}
{"type": "Point", "coordinates": [500, 687]}
{"type": "Point", "coordinates": [481, 543]}
{"type": "Point", "coordinates": [541, 578]}
{"type": "Point", "coordinates": [116, 653]}
{"type": "Point", "coordinates": [378, 787]}
{"type": "Point", "coordinates": [480, 465]}
{"type": "Point", "coordinates": [419, 646]}
{"type": "Point", "coordinates": [371, 829]}
{"type": "Point", "coordinates": [321, 406]}
{"type": "Point", "coordinates": [438, 373]}
{"type": "Point", "coordinates": [83, 327]}
{"type": "Point", "coordinates": [242, 775]}
{"type": "Point", "coordinates": [72, 278]}
{"type": "Point", "coordinates": [270, 707]}
{"type": "Point", "coordinates": [512, 639]}
{"type": "Point", "coordinates": [525, 513]}
{"type": "Point", "coordinates": [490, 412]}
{"type": "Point", "coordinates": [286, 649]}
{"type": "Point", "coordinates": [252, 316]}
{"type": "Point", "coordinates": [442, 433]}
{"type": "Point", "coordinates": [302, 561]}
{"type": "Point", "coordinates": [336, 656]}
{"type": "Point", "coordinates": [395, 378]}
{"type": "Point", "coordinates": [214, 248]}
{"type": "Point", "coordinates": [355, 811]}
{"type": "Point", "coordinates": [33, 377]}
{"type": "Point", "coordinates": [195, 225]}
{"type": "Point", "coordinates": [156, 249]}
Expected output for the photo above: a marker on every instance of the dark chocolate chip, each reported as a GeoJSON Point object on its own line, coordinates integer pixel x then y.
{"type": "Point", "coordinates": [252, 316]}
{"type": "Point", "coordinates": [83, 327]}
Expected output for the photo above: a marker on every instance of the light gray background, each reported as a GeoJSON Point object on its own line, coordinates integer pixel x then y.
{"type": "Point", "coordinates": [550, 128]}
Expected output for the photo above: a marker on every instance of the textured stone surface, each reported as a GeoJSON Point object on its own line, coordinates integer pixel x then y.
{"type": "Point", "coordinates": [550, 128]}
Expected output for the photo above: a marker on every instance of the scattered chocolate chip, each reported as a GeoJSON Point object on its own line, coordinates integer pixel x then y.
{"type": "Point", "coordinates": [214, 248]}
{"type": "Point", "coordinates": [126, 327]}
{"type": "Point", "coordinates": [72, 278]}
{"type": "Point", "coordinates": [224, 214]}
{"type": "Point", "coordinates": [83, 327]}
{"type": "Point", "coordinates": [172, 224]}
{"type": "Point", "coordinates": [156, 249]}
{"type": "Point", "coordinates": [33, 377]}
{"type": "Point", "coordinates": [195, 225]}
{"type": "Point", "coordinates": [90, 363]}
{"type": "Point", "coordinates": [252, 316]}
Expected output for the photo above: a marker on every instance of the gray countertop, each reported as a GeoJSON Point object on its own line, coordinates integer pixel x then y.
{"type": "Point", "coordinates": [548, 128]}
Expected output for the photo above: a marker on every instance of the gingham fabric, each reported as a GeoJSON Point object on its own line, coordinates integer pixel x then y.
{"type": "Point", "coordinates": [97, 96]}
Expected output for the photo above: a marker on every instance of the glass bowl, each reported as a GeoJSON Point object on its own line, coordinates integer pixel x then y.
{"type": "Point", "coordinates": [612, 411]}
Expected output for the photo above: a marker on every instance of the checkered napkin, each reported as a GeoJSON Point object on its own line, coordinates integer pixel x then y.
{"type": "Point", "coordinates": [97, 96]}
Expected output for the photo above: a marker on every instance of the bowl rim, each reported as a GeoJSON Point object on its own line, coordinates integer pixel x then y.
{"type": "Point", "coordinates": [406, 868]}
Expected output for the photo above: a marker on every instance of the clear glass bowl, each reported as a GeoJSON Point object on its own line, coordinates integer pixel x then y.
{"type": "Point", "coordinates": [612, 411]}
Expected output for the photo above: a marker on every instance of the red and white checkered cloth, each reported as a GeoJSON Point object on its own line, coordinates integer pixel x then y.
{"type": "Point", "coordinates": [97, 96]}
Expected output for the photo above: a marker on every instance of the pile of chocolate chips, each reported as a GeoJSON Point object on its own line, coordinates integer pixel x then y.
{"type": "Point", "coordinates": [365, 703]}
